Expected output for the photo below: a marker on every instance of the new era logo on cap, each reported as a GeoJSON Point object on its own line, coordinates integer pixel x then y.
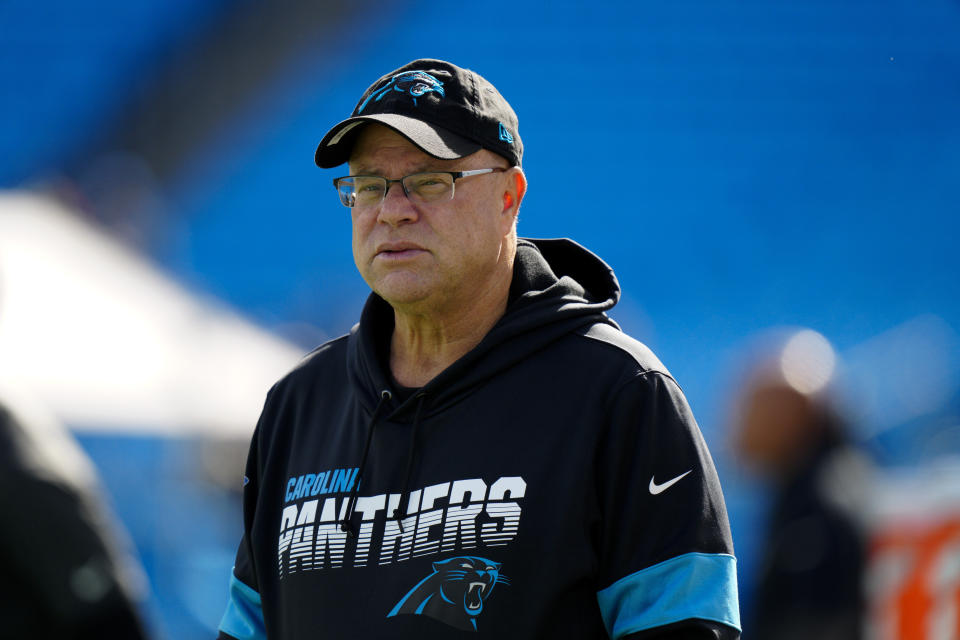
{"type": "Point", "coordinates": [447, 111]}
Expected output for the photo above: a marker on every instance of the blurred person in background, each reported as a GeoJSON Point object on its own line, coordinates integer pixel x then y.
{"type": "Point", "coordinates": [64, 573]}
{"type": "Point", "coordinates": [810, 583]}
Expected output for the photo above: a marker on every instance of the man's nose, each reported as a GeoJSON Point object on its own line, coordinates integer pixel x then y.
{"type": "Point", "coordinates": [396, 208]}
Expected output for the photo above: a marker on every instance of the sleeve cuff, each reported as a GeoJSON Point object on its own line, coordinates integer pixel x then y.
{"type": "Point", "coordinates": [693, 585]}
{"type": "Point", "coordinates": [243, 618]}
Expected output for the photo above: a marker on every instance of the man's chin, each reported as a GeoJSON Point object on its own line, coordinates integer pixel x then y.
{"type": "Point", "coordinates": [400, 294]}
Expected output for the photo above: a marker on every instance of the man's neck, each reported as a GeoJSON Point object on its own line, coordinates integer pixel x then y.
{"type": "Point", "coordinates": [423, 345]}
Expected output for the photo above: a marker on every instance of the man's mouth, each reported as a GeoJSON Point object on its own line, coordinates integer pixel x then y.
{"type": "Point", "coordinates": [399, 251]}
{"type": "Point", "coordinates": [474, 596]}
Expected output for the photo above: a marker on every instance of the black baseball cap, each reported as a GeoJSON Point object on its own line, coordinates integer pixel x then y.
{"type": "Point", "coordinates": [448, 112]}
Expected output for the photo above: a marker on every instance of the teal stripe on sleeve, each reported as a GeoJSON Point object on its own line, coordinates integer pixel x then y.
{"type": "Point", "coordinates": [694, 585]}
{"type": "Point", "coordinates": [243, 618]}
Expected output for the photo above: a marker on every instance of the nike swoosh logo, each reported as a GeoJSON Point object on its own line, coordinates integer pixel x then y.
{"type": "Point", "coordinates": [660, 488]}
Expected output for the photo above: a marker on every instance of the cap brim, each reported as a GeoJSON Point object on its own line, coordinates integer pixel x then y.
{"type": "Point", "coordinates": [336, 146]}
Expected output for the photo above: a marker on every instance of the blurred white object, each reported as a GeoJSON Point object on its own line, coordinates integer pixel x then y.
{"type": "Point", "coordinates": [109, 343]}
{"type": "Point", "coordinates": [807, 362]}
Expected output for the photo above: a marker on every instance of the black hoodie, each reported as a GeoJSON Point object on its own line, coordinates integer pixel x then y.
{"type": "Point", "coordinates": [550, 483]}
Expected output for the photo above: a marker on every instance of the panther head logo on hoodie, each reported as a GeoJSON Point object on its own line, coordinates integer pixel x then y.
{"type": "Point", "coordinates": [455, 592]}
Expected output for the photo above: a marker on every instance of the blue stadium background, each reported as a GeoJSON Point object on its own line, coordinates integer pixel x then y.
{"type": "Point", "coordinates": [741, 165]}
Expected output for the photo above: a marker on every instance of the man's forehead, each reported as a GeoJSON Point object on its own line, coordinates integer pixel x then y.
{"type": "Point", "coordinates": [377, 145]}
{"type": "Point", "coordinates": [377, 140]}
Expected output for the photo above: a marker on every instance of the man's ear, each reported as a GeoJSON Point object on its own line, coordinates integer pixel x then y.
{"type": "Point", "coordinates": [516, 187]}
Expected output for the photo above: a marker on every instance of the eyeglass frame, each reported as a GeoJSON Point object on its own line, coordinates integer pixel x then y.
{"type": "Point", "coordinates": [456, 175]}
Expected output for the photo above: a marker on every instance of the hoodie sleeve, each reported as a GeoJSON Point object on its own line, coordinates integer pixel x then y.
{"type": "Point", "coordinates": [666, 552]}
{"type": "Point", "coordinates": [243, 618]}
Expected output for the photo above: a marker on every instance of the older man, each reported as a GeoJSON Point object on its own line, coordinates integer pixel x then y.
{"type": "Point", "coordinates": [486, 451]}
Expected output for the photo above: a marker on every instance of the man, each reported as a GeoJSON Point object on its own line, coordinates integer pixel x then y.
{"type": "Point", "coordinates": [485, 451]}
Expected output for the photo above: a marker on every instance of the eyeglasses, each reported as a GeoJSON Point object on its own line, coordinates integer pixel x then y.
{"type": "Point", "coordinates": [431, 186]}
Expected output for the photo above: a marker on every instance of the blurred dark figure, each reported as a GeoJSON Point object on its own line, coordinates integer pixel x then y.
{"type": "Point", "coordinates": [811, 570]}
{"type": "Point", "coordinates": [63, 574]}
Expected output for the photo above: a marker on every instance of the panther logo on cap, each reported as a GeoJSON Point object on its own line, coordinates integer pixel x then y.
{"type": "Point", "coordinates": [416, 83]}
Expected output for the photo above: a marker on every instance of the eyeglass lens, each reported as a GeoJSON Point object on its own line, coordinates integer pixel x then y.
{"type": "Point", "coordinates": [365, 191]}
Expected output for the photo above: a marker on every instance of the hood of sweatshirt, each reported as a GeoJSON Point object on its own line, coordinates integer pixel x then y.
{"type": "Point", "coordinates": [557, 287]}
